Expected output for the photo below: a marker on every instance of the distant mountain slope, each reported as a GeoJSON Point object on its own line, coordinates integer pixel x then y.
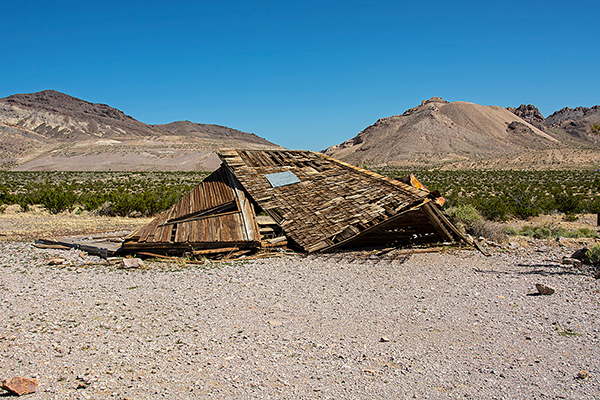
{"type": "Point", "coordinates": [438, 133]}
{"type": "Point", "coordinates": [50, 130]}
{"type": "Point", "coordinates": [576, 123]}
{"type": "Point", "coordinates": [213, 132]}
{"type": "Point", "coordinates": [570, 125]}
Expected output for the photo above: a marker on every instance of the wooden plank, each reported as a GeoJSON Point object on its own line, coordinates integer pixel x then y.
{"type": "Point", "coordinates": [265, 220]}
{"type": "Point", "coordinates": [435, 221]}
{"type": "Point", "coordinates": [215, 251]}
{"type": "Point", "coordinates": [155, 255]}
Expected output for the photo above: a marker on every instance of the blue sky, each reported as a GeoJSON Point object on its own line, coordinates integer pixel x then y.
{"type": "Point", "coordinates": [305, 74]}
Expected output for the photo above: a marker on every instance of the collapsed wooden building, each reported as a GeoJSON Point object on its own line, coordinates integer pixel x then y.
{"type": "Point", "coordinates": [308, 201]}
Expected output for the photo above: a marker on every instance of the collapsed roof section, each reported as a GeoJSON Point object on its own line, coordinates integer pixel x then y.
{"type": "Point", "coordinates": [308, 199]}
{"type": "Point", "coordinates": [215, 215]}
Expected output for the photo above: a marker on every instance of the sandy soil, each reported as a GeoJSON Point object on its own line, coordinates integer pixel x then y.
{"type": "Point", "coordinates": [355, 325]}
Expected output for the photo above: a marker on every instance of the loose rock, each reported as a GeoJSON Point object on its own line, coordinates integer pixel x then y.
{"type": "Point", "coordinates": [131, 263]}
{"type": "Point", "coordinates": [543, 289]}
{"type": "Point", "coordinates": [583, 374]}
{"type": "Point", "coordinates": [580, 254]}
{"type": "Point", "coordinates": [20, 385]}
{"type": "Point", "coordinates": [56, 261]}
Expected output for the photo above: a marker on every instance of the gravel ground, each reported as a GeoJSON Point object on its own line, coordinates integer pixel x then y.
{"type": "Point", "coordinates": [446, 325]}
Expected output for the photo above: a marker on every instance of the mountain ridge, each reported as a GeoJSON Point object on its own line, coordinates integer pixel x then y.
{"type": "Point", "coordinates": [50, 130]}
{"type": "Point", "coordinates": [442, 134]}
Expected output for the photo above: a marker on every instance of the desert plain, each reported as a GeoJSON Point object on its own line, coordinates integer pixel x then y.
{"type": "Point", "coordinates": [448, 324]}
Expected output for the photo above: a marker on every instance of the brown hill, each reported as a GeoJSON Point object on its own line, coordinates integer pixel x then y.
{"type": "Point", "coordinates": [440, 134]}
{"type": "Point", "coordinates": [50, 130]}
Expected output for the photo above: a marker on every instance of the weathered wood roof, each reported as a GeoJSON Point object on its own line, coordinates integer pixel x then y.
{"type": "Point", "coordinates": [332, 203]}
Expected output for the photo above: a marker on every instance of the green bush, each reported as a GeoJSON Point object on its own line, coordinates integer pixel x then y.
{"type": "Point", "coordinates": [493, 208]}
{"type": "Point", "coordinates": [510, 231]}
{"type": "Point", "coordinates": [527, 230]}
{"type": "Point", "coordinates": [592, 256]}
{"type": "Point", "coordinates": [55, 199]}
{"type": "Point", "coordinates": [570, 217]}
{"type": "Point", "coordinates": [594, 206]}
{"type": "Point", "coordinates": [567, 203]}
{"type": "Point", "coordinates": [542, 233]}
{"type": "Point", "coordinates": [464, 217]}
{"type": "Point", "coordinates": [523, 205]}
{"type": "Point", "coordinates": [582, 233]}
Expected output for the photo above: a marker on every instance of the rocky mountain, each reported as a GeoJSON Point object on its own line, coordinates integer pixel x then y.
{"type": "Point", "coordinates": [50, 130]}
{"type": "Point", "coordinates": [531, 114]}
{"type": "Point", "coordinates": [442, 134]}
{"type": "Point", "coordinates": [575, 124]}
{"type": "Point", "coordinates": [571, 124]}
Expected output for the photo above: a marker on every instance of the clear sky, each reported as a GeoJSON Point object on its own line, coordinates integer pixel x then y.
{"type": "Point", "coordinates": [305, 74]}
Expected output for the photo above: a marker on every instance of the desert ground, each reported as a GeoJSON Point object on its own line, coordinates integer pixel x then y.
{"type": "Point", "coordinates": [355, 324]}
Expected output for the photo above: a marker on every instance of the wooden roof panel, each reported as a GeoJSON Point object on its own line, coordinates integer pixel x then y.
{"type": "Point", "coordinates": [325, 203]}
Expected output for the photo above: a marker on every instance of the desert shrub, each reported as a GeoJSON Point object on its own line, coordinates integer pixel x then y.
{"type": "Point", "coordinates": [527, 230]}
{"type": "Point", "coordinates": [581, 233]}
{"type": "Point", "coordinates": [592, 256]}
{"type": "Point", "coordinates": [5, 195]}
{"type": "Point", "coordinates": [594, 206]}
{"type": "Point", "coordinates": [542, 233]}
{"type": "Point", "coordinates": [510, 231]}
{"type": "Point", "coordinates": [522, 204]}
{"type": "Point", "coordinates": [464, 217]}
{"type": "Point", "coordinates": [567, 203]}
{"type": "Point", "coordinates": [55, 198]}
{"type": "Point", "coordinates": [493, 208]}
{"type": "Point", "coordinates": [92, 200]}
{"type": "Point", "coordinates": [570, 217]}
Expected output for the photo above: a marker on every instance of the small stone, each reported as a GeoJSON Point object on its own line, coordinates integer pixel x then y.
{"type": "Point", "coordinates": [56, 261]}
{"type": "Point", "coordinates": [275, 323]}
{"type": "Point", "coordinates": [130, 263]}
{"type": "Point", "coordinates": [580, 254]}
{"type": "Point", "coordinates": [384, 339]}
{"type": "Point", "coordinates": [583, 374]}
{"type": "Point", "coordinates": [543, 289]}
{"type": "Point", "coordinates": [20, 385]}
